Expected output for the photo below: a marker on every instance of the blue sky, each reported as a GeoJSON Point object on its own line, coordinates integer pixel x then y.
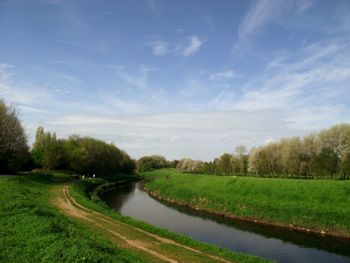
{"type": "Point", "coordinates": [177, 78]}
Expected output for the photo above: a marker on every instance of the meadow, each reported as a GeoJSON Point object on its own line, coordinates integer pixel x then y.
{"type": "Point", "coordinates": [317, 205]}
{"type": "Point", "coordinates": [33, 229]}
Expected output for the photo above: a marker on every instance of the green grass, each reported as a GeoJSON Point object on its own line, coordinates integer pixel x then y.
{"type": "Point", "coordinates": [32, 230]}
{"type": "Point", "coordinates": [78, 191]}
{"type": "Point", "coordinates": [316, 204]}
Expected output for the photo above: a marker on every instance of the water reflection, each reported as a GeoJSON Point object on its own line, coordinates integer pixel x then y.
{"type": "Point", "coordinates": [268, 242]}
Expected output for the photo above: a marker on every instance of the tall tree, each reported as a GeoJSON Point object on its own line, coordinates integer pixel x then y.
{"type": "Point", "coordinates": [13, 142]}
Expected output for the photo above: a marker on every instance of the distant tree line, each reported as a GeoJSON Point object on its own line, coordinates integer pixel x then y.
{"type": "Point", "coordinates": [153, 162]}
{"type": "Point", "coordinates": [325, 154]}
{"type": "Point", "coordinates": [226, 164]}
{"type": "Point", "coordinates": [83, 155]}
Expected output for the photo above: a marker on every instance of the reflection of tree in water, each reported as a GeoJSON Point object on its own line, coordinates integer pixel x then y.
{"type": "Point", "coordinates": [116, 197]}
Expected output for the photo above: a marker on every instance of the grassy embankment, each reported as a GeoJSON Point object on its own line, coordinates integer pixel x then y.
{"type": "Point", "coordinates": [316, 205]}
{"type": "Point", "coordinates": [33, 229]}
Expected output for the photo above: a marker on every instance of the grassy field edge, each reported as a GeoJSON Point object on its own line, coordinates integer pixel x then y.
{"type": "Point", "coordinates": [78, 192]}
{"type": "Point", "coordinates": [32, 229]}
{"type": "Point", "coordinates": [230, 196]}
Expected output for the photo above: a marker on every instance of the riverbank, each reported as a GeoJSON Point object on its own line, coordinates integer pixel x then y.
{"type": "Point", "coordinates": [32, 229]}
{"type": "Point", "coordinates": [311, 206]}
{"type": "Point", "coordinates": [47, 217]}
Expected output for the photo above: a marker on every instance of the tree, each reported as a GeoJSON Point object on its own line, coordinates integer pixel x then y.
{"type": "Point", "coordinates": [148, 163]}
{"type": "Point", "coordinates": [225, 164]}
{"type": "Point", "coordinates": [242, 159]}
{"type": "Point", "coordinates": [190, 166]}
{"type": "Point", "coordinates": [337, 139]}
{"type": "Point", "coordinates": [48, 151]}
{"type": "Point", "coordinates": [13, 142]}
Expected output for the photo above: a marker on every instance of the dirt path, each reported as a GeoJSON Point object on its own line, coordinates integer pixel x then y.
{"type": "Point", "coordinates": [149, 246]}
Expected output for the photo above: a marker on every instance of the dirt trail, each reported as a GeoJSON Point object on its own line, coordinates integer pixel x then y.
{"type": "Point", "coordinates": [160, 248]}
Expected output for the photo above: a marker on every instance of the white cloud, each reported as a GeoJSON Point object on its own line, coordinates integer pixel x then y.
{"type": "Point", "coordinates": [183, 46]}
{"type": "Point", "coordinates": [4, 71]}
{"type": "Point", "coordinates": [161, 48]}
{"type": "Point", "coordinates": [263, 13]}
{"type": "Point", "coordinates": [310, 84]}
{"type": "Point", "coordinates": [136, 79]}
{"type": "Point", "coordinates": [194, 45]}
{"type": "Point", "coordinates": [228, 74]}
{"type": "Point", "coordinates": [260, 14]}
{"type": "Point", "coordinates": [303, 5]}
{"type": "Point", "coordinates": [25, 94]}
{"type": "Point", "coordinates": [176, 135]}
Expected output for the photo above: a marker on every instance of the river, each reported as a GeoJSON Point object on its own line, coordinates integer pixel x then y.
{"type": "Point", "coordinates": [276, 244]}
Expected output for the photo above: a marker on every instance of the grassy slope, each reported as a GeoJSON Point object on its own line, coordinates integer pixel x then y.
{"type": "Point", "coordinates": [32, 230]}
{"type": "Point", "coordinates": [317, 204]}
{"type": "Point", "coordinates": [79, 193]}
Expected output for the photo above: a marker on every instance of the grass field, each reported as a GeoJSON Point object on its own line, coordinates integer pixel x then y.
{"type": "Point", "coordinates": [33, 229]}
{"type": "Point", "coordinates": [320, 205]}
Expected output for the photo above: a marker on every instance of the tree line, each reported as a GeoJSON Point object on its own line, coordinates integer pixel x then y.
{"type": "Point", "coordinates": [226, 164]}
{"type": "Point", "coordinates": [325, 154]}
{"type": "Point", "coordinates": [83, 155]}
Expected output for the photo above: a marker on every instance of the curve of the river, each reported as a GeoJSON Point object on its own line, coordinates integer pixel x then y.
{"type": "Point", "coordinates": [267, 242]}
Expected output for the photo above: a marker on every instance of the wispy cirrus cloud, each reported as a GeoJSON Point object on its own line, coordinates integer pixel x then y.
{"type": "Point", "coordinates": [198, 135]}
{"type": "Point", "coordinates": [263, 13]}
{"type": "Point", "coordinates": [43, 37]}
{"type": "Point", "coordinates": [303, 5]}
{"type": "Point", "coordinates": [193, 46]}
{"type": "Point", "coordinates": [310, 84]}
{"type": "Point", "coordinates": [228, 74]}
{"type": "Point", "coordinates": [185, 47]}
{"type": "Point", "coordinates": [161, 48]}
{"type": "Point", "coordinates": [23, 94]}
{"type": "Point", "coordinates": [260, 14]}
{"type": "Point", "coordinates": [138, 79]}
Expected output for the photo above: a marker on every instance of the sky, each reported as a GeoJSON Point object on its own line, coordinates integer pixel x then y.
{"type": "Point", "coordinates": [177, 78]}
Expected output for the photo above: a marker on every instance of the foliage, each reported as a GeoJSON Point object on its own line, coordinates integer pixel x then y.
{"type": "Point", "coordinates": [322, 155]}
{"type": "Point", "coordinates": [83, 155]}
{"type": "Point", "coordinates": [189, 165]}
{"type": "Point", "coordinates": [149, 163]}
{"type": "Point", "coordinates": [227, 164]}
{"type": "Point", "coordinates": [315, 204]}
{"type": "Point", "coordinates": [13, 142]}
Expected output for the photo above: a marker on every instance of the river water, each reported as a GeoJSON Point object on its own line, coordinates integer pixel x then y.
{"type": "Point", "coordinates": [279, 245]}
